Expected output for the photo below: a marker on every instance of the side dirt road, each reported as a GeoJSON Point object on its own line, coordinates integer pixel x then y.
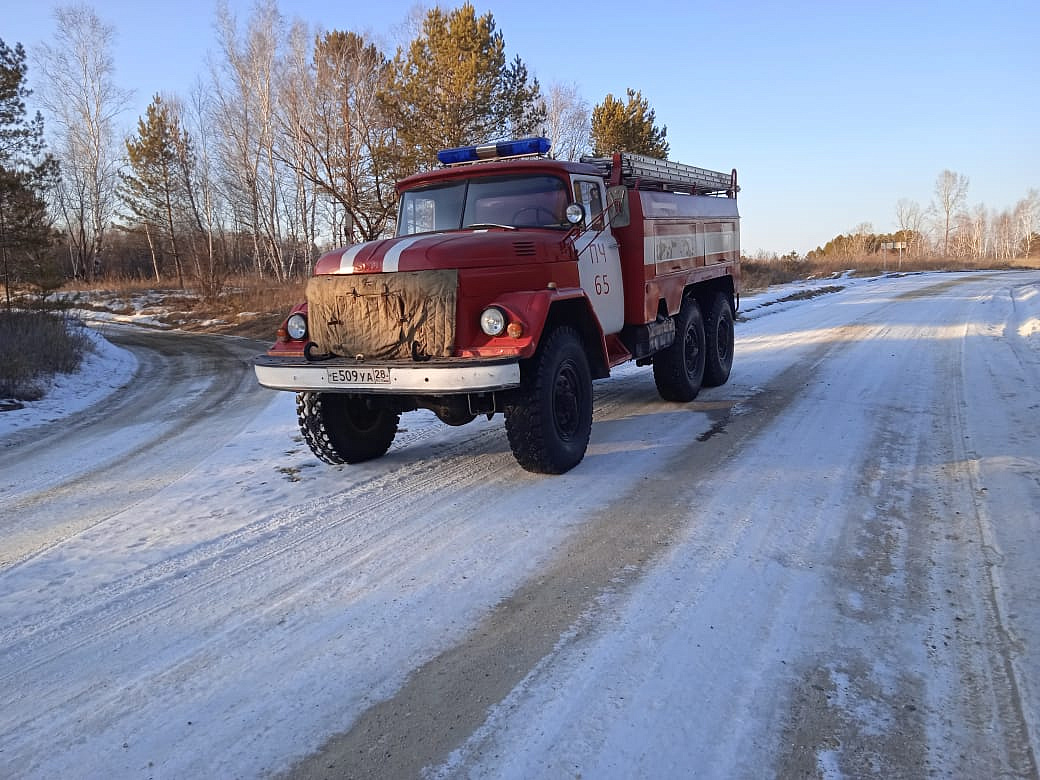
{"type": "Point", "coordinates": [63, 477]}
{"type": "Point", "coordinates": [825, 568]}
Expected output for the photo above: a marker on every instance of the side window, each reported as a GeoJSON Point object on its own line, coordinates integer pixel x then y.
{"type": "Point", "coordinates": [587, 193]}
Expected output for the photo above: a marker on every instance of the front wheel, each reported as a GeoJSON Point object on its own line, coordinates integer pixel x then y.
{"type": "Point", "coordinates": [550, 419]}
{"type": "Point", "coordinates": [344, 429]}
{"type": "Point", "coordinates": [679, 368]}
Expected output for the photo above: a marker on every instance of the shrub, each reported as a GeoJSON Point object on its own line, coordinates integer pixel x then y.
{"type": "Point", "coordinates": [763, 269]}
{"type": "Point", "coordinates": [758, 274]}
{"type": "Point", "coordinates": [34, 346]}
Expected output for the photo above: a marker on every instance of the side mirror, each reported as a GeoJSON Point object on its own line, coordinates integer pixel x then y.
{"type": "Point", "coordinates": [617, 206]}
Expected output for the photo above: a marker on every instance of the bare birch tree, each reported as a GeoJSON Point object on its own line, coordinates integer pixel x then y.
{"type": "Point", "coordinates": [1027, 215]}
{"type": "Point", "coordinates": [975, 232]}
{"type": "Point", "coordinates": [212, 241]}
{"type": "Point", "coordinates": [295, 93]}
{"type": "Point", "coordinates": [80, 93]}
{"type": "Point", "coordinates": [951, 189]}
{"type": "Point", "coordinates": [244, 106]}
{"type": "Point", "coordinates": [346, 147]}
{"type": "Point", "coordinates": [858, 243]}
{"type": "Point", "coordinates": [408, 29]}
{"type": "Point", "coordinates": [1003, 231]}
{"type": "Point", "coordinates": [910, 220]}
{"type": "Point", "coordinates": [567, 121]}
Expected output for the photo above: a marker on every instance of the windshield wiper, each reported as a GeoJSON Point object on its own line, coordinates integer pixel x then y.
{"type": "Point", "coordinates": [485, 225]}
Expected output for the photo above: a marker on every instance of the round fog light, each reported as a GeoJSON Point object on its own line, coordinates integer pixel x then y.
{"type": "Point", "coordinates": [492, 321]}
{"type": "Point", "coordinates": [296, 326]}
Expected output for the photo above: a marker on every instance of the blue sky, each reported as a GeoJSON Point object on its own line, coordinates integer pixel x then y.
{"type": "Point", "coordinates": [831, 112]}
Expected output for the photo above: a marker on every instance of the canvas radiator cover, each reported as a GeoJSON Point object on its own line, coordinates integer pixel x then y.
{"type": "Point", "coordinates": [391, 316]}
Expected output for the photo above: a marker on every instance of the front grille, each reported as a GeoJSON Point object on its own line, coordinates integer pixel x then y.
{"type": "Point", "coordinates": [524, 248]}
{"type": "Point", "coordinates": [391, 316]}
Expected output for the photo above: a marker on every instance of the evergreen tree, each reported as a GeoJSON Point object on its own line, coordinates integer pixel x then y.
{"type": "Point", "coordinates": [26, 173]}
{"type": "Point", "coordinates": [153, 190]}
{"type": "Point", "coordinates": [454, 87]}
{"type": "Point", "coordinates": [628, 127]}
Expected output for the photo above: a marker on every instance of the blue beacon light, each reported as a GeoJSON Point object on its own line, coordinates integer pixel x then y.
{"type": "Point", "coordinates": [464, 154]}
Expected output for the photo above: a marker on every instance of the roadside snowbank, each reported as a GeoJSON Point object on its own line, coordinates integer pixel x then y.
{"type": "Point", "coordinates": [104, 369]}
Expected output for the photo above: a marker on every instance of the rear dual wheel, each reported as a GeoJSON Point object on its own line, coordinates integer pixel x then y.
{"type": "Point", "coordinates": [679, 368]}
{"type": "Point", "coordinates": [718, 341]}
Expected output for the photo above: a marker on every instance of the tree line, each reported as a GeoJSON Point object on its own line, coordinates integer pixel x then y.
{"type": "Point", "coordinates": [289, 144]}
{"type": "Point", "coordinates": [948, 227]}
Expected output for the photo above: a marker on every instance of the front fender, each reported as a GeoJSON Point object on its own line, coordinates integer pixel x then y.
{"type": "Point", "coordinates": [285, 346]}
{"type": "Point", "coordinates": [538, 310]}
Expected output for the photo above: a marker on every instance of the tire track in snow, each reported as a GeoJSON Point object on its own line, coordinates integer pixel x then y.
{"type": "Point", "coordinates": [457, 462]}
{"type": "Point", "coordinates": [255, 544]}
{"type": "Point", "coordinates": [460, 463]}
{"type": "Point", "coordinates": [300, 544]}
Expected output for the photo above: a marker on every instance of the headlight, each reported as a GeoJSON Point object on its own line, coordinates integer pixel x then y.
{"type": "Point", "coordinates": [492, 321]}
{"type": "Point", "coordinates": [296, 326]}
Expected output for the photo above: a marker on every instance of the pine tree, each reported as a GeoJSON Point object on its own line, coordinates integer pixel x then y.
{"type": "Point", "coordinates": [154, 188]}
{"type": "Point", "coordinates": [26, 173]}
{"type": "Point", "coordinates": [627, 127]}
{"type": "Point", "coordinates": [454, 87]}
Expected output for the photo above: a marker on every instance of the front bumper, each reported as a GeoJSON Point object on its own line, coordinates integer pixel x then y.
{"type": "Point", "coordinates": [342, 375]}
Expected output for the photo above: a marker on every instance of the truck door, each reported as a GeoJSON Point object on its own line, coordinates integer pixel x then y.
{"type": "Point", "coordinates": [599, 261]}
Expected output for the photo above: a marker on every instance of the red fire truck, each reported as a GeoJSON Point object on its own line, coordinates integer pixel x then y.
{"type": "Point", "coordinates": [513, 282]}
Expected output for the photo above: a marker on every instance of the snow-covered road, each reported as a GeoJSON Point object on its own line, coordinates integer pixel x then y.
{"type": "Point", "coordinates": [826, 567]}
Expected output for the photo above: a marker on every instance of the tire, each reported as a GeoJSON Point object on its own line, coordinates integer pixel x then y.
{"type": "Point", "coordinates": [718, 339]}
{"type": "Point", "coordinates": [679, 368]}
{"type": "Point", "coordinates": [344, 429]}
{"type": "Point", "coordinates": [550, 418]}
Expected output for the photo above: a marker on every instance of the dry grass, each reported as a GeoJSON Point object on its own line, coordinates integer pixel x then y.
{"type": "Point", "coordinates": [247, 307]}
{"type": "Point", "coordinates": [258, 308]}
{"type": "Point", "coordinates": [264, 296]}
{"type": "Point", "coordinates": [759, 273]}
{"type": "Point", "coordinates": [35, 345]}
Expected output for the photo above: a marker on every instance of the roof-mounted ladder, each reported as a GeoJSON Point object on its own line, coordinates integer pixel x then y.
{"type": "Point", "coordinates": [640, 171]}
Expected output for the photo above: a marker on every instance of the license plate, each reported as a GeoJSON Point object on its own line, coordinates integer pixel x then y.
{"type": "Point", "coordinates": [359, 376]}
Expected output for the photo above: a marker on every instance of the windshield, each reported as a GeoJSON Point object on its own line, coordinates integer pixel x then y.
{"type": "Point", "coordinates": [505, 201]}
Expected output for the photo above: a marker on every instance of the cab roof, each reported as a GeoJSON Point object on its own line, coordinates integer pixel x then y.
{"type": "Point", "coordinates": [538, 165]}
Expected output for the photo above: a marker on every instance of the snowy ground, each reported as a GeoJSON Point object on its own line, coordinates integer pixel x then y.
{"type": "Point", "coordinates": [827, 566]}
